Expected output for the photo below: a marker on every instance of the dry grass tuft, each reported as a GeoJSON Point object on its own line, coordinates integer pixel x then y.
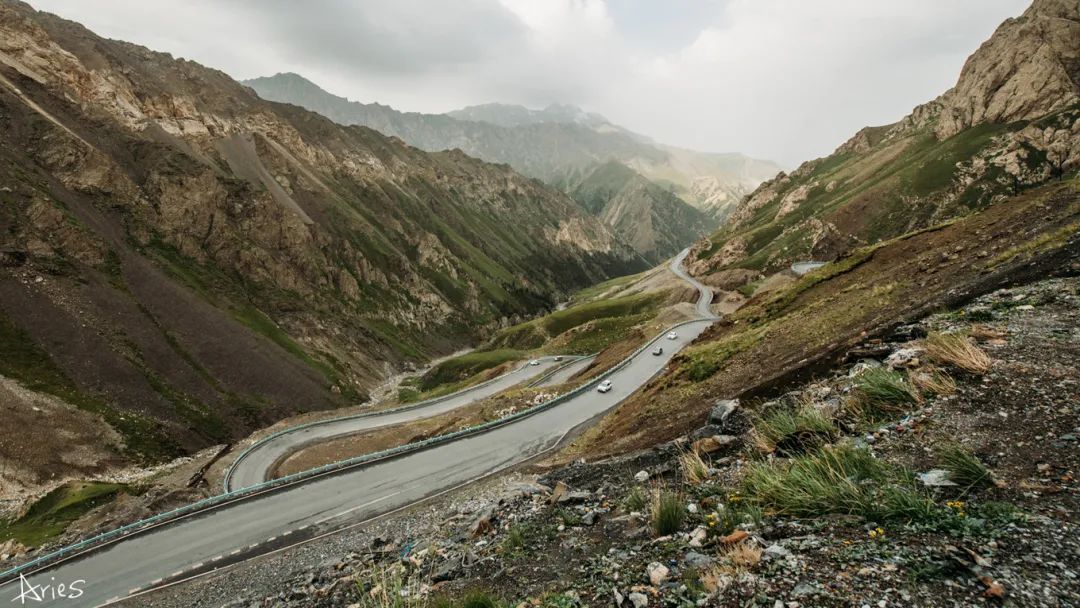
{"type": "Point", "coordinates": [694, 468]}
{"type": "Point", "coordinates": [744, 555]}
{"type": "Point", "coordinates": [932, 381]}
{"type": "Point", "coordinates": [959, 351]}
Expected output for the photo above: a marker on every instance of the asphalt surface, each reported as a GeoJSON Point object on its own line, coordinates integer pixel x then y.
{"type": "Point", "coordinates": [705, 294]}
{"type": "Point", "coordinates": [256, 465]}
{"type": "Point", "coordinates": [568, 371]}
{"type": "Point", "coordinates": [178, 550]}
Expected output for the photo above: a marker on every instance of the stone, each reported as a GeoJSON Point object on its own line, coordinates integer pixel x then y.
{"type": "Point", "coordinates": [641, 476]}
{"type": "Point", "coordinates": [693, 559]}
{"type": "Point", "coordinates": [904, 357]}
{"type": "Point", "coordinates": [698, 536]}
{"type": "Point", "coordinates": [448, 570]}
{"type": "Point", "coordinates": [776, 552]}
{"type": "Point", "coordinates": [483, 523]}
{"type": "Point", "coordinates": [722, 409]}
{"type": "Point", "coordinates": [618, 597]}
{"type": "Point", "coordinates": [936, 478]}
{"type": "Point", "coordinates": [658, 573]}
{"type": "Point", "coordinates": [735, 537]}
{"type": "Point", "coordinates": [711, 445]}
{"type": "Point", "coordinates": [557, 493]}
{"type": "Point", "coordinates": [638, 600]}
{"type": "Point", "coordinates": [589, 518]}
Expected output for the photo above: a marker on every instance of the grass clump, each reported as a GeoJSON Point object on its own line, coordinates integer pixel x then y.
{"type": "Point", "coordinates": [958, 351]}
{"type": "Point", "coordinates": [668, 512]}
{"type": "Point", "coordinates": [515, 540]}
{"type": "Point", "coordinates": [53, 513]}
{"type": "Point", "coordinates": [390, 588]}
{"type": "Point", "coordinates": [836, 480]}
{"type": "Point", "coordinates": [479, 599]}
{"type": "Point", "coordinates": [964, 467]}
{"type": "Point", "coordinates": [694, 468]}
{"type": "Point", "coordinates": [792, 431]}
{"type": "Point", "coordinates": [636, 500]}
{"type": "Point", "coordinates": [883, 392]}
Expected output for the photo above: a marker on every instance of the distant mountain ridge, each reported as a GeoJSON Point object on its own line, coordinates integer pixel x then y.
{"type": "Point", "coordinates": [549, 144]}
{"type": "Point", "coordinates": [643, 214]}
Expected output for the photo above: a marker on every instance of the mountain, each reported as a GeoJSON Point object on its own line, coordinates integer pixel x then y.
{"type": "Point", "coordinates": [510, 115]}
{"type": "Point", "coordinates": [184, 261]}
{"type": "Point", "coordinates": [1009, 125]}
{"type": "Point", "coordinates": [651, 219]}
{"type": "Point", "coordinates": [553, 144]}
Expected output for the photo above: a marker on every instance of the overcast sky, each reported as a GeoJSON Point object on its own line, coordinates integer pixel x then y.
{"type": "Point", "coordinates": [786, 80]}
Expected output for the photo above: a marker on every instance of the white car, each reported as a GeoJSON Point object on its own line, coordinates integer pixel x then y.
{"type": "Point", "coordinates": [672, 335]}
{"type": "Point", "coordinates": [604, 387]}
{"type": "Point", "coordinates": [659, 350]}
{"type": "Point", "coordinates": [534, 362]}
{"type": "Point", "coordinates": [558, 357]}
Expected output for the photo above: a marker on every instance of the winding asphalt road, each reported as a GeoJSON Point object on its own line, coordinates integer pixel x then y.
{"type": "Point", "coordinates": [255, 465]}
{"type": "Point", "coordinates": [274, 519]}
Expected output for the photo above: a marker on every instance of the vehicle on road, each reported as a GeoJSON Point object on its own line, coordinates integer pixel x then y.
{"type": "Point", "coordinates": [672, 335]}
{"type": "Point", "coordinates": [604, 387]}
{"type": "Point", "coordinates": [659, 350]}
{"type": "Point", "coordinates": [534, 362]}
{"type": "Point", "coordinates": [558, 357]}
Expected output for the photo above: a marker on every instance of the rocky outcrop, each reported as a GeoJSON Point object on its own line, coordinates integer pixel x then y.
{"type": "Point", "coordinates": [1009, 124]}
{"type": "Point", "coordinates": [1029, 68]}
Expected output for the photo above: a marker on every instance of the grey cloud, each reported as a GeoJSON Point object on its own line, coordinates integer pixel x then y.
{"type": "Point", "coordinates": [403, 36]}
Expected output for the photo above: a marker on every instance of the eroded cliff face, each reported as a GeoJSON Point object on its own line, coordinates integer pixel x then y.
{"type": "Point", "coordinates": [188, 261]}
{"type": "Point", "coordinates": [1012, 122]}
{"type": "Point", "coordinates": [1029, 68]}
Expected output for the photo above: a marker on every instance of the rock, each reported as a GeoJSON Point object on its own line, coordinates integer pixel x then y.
{"type": "Point", "coordinates": [446, 571]}
{"type": "Point", "coordinates": [862, 366]}
{"type": "Point", "coordinates": [618, 597]}
{"type": "Point", "coordinates": [658, 573]}
{"type": "Point", "coordinates": [641, 476]}
{"type": "Point", "coordinates": [803, 590]}
{"type": "Point", "coordinates": [693, 559]}
{"type": "Point", "coordinates": [483, 523]}
{"type": "Point", "coordinates": [575, 496]}
{"type": "Point", "coordinates": [558, 492]}
{"type": "Point", "coordinates": [710, 445]}
{"type": "Point", "coordinates": [722, 409]}
{"type": "Point", "coordinates": [776, 552]}
{"type": "Point", "coordinates": [904, 357]}
{"type": "Point", "coordinates": [639, 600]}
{"type": "Point", "coordinates": [735, 537]}
{"type": "Point", "coordinates": [936, 478]}
{"type": "Point", "coordinates": [589, 518]}
{"type": "Point", "coordinates": [698, 536]}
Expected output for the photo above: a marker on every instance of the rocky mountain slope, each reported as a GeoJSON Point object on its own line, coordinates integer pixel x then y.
{"type": "Point", "coordinates": [1011, 123]}
{"type": "Point", "coordinates": [548, 144]}
{"type": "Point", "coordinates": [184, 261]}
{"type": "Point", "coordinates": [651, 219]}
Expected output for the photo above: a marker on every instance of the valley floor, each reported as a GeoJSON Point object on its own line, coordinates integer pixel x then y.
{"type": "Point", "coordinates": [656, 529]}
